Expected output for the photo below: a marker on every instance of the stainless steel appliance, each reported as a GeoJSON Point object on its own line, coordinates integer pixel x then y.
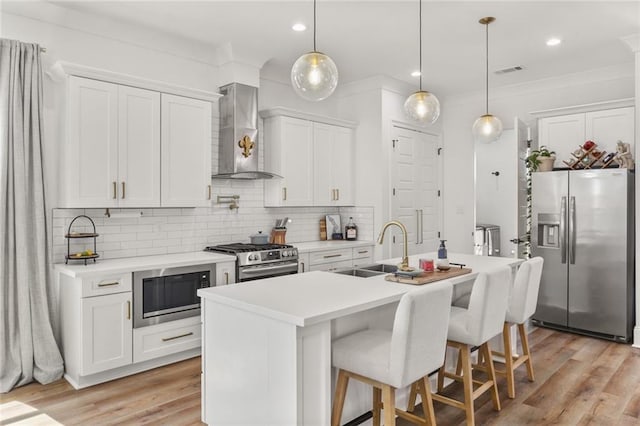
{"type": "Point", "coordinates": [256, 261]}
{"type": "Point", "coordinates": [168, 294]}
{"type": "Point", "coordinates": [487, 240]}
{"type": "Point", "coordinates": [583, 226]}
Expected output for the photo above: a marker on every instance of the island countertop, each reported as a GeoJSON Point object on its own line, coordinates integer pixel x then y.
{"type": "Point", "coordinates": [314, 297]}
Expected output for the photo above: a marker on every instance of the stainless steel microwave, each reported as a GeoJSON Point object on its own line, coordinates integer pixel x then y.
{"type": "Point", "coordinates": [168, 294]}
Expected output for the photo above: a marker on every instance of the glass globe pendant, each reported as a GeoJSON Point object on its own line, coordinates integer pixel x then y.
{"type": "Point", "coordinates": [487, 128]}
{"type": "Point", "coordinates": [314, 76]}
{"type": "Point", "coordinates": [422, 106]}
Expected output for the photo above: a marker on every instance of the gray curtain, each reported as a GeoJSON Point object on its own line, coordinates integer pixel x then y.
{"type": "Point", "coordinates": [28, 349]}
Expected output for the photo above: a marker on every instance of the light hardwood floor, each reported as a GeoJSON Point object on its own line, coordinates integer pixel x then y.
{"type": "Point", "coordinates": [579, 381]}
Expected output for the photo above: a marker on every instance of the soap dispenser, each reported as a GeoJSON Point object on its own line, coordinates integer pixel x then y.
{"type": "Point", "coordinates": [443, 262]}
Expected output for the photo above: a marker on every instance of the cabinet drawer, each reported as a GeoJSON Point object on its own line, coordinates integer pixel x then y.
{"type": "Point", "coordinates": [166, 338]}
{"type": "Point", "coordinates": [99, 285]}
{"type": "Point", "coordinates": [330, 256]}
{"type": "Point", "coordinates": [331, 266]}
{"type": "Point", "coordinates": [362, 252]}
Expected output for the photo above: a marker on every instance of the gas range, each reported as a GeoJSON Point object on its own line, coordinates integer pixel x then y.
{"type": "Point", "coordinates": [255, 261]}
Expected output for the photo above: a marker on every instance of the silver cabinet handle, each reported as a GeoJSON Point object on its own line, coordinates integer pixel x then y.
{"type": "Point", "coordinates": [302, 264]}
{"type": "Point", "coordinates": [572, 231]}
{"type": "Point", "coordinates": [363, 251]}
{"type": "Point", "coordinates": [209, 186]}
{"type": "Point", "coordinates": [115, 190]}
{"type": "Point", "coordinates": [226, 278]}
{"type": "Point", "coordinates": [284, 193]}
{"type": "Point", "coordinates": [337, 194]}
{"type": "Point", "coordinates": [562, 230]}
{"type": "Point", "coordinates": [166, 339]}
{"type": "Point", "coordinates": [108, 284]}
{"type": "Point", "coordinates": [332, 255]}
{"type": "Point", "coordinates": [123, 190]}
{"type": "Point", "coordinates": [128, 309]}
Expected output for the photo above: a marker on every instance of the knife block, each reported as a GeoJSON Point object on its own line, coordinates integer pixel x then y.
{"type": "Point", "coordinates": [278, 236]}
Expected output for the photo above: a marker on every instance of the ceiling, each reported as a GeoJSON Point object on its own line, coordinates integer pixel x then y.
{"type": "Point", "coordinates": [368, 38]}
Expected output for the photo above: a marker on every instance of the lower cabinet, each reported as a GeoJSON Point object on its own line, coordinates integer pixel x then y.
{"type": "Point", "coordinates": [166, 338]}
{"type": "Point", "coordinates": [225, 273]}
{"type": "Point", "coordinates": [106, 332]}
{"type": "Point", "coordinates": [330, 260]}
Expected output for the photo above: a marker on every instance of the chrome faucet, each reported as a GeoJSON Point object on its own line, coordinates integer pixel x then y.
{"type": "Point", "coordinates": [404, 266]}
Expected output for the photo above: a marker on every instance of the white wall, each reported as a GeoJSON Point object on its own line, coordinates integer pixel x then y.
{"type": "Point", "coordinates": [459, 113]}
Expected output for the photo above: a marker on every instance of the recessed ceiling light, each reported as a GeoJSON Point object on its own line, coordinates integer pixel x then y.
{"type": "Point", "coordinates": [553, 41]}
{"type": "Point", "coordinates": [299, 27]}
{"type": "Point", "coordinates": [415, 74]}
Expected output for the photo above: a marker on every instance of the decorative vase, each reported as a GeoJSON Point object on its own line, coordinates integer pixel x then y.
{"type": "Point", "coordinates": [546, 164]}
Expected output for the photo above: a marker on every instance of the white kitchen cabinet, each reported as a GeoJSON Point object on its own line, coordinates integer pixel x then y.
{"type": "Point", "coordinates": [333, 165]}
{"type": "Point", "coordinates": [112, 153]}
{"type": "Point", "coordinates": [289, 153]}
{"type": "Point", "coordinates": [362, 256]}
{"type": "Point", "coordinates": [564, 133]}
{"type": "Point", "coordinates": [225, 273]}
{"type": "Point", "coordinates": [314, 155]}
{"type": "Point", "coordinates": [186, 152]}
{"type": "Point", "coordinates": [303, 262]}
{"type": "Point", "coordinates": [106, 323]}
{"type": "Point", "coordinates": [337, 258]}
{"type": "Point", "coordinates": [166, 338]}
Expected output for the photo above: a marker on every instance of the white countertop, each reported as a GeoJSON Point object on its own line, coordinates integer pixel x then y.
{"type": "Point", "coordinates": [141, 263]}
{"type": "Point", "coordinates": [313, 297]}
{"type": "Point", "coordinates": [308, 246]}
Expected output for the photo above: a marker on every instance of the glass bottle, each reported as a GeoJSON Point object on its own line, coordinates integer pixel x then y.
{"type": "Point", "coordinates": [443, 262]}
{"type": "Point", "coordinates": [351, 230]}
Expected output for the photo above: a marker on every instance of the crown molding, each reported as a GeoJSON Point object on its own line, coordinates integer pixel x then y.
{"type": "Point", "coordinates": [61, 70]}
{"type": "Point", "coordinates": [596, 106]}
{"type": "Point", "coordinates": [288, 112]}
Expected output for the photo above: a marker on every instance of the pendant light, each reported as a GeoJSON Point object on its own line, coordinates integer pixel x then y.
{"type": "Point", "coordinates": [422, 106]}
{"type": "Point", "coordinates": [314, 75]}
{"type": "Point", "coordinates": [487, 127]}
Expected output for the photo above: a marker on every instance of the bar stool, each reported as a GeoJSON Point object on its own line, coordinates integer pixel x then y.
{"type": "Point", "coordinates": [389, 360]}
{"type": "Point", "coordinates": [522, 304]}
{"type": "Point", "coordinates": [475, 326]}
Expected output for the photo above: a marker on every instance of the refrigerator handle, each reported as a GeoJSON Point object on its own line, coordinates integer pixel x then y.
{"type": "Point", "coordinates": [572, 231]}
{"type": "Point", "coordinates": [562, 231]}
{"type": "Point", "coordinates": [489, 235]}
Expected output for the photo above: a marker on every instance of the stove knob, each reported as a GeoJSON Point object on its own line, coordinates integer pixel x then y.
{"type": "Point", "coordinates": [253, 257]}
{"type": "Point", "coordinates": [285, 253]}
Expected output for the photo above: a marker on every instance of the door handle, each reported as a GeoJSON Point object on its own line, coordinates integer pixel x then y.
{"type": "Point", "coordinates": [333, 194]}
{"type": "Point", "coordinates": [337, 194]}
{"type": "Point", "coordinates": [128, 309]}
{"type": "Point", "coordinates": [562, 230]}
{"type": "Point", "coordinates": [115, 190]}
{"type": "Point", "coordinates": [226, 278]}
{"type": "Point", "coordinates": [123, 189]}
{"type": "Point", "coordinates": [572, 231]}
{"type": "Point", "coordinates": [167, 339]}
{"type": "Point", "coordinates": [284, 193]}
{"type": "Point", "coordinates": [209, 186]}
{"type": "Point", "coordinates": [302, 264]}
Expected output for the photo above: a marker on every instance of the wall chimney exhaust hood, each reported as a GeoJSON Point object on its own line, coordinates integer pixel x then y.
{"type": "Point", "coordinates": [238, 143]}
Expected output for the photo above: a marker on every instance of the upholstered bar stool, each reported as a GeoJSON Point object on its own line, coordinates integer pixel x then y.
{"type": "Point", "coordinates": [389, 360]}
{"type": "Point", "coordinates": [522, 304]}
{"type": "Point", "coordinates": [475, 326]}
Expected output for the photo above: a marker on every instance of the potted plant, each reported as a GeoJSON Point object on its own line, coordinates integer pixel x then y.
{"type": "Point", "coordinates": [541, 159]}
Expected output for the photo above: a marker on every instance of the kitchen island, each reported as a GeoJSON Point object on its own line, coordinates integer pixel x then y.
{"type": "Point", "coordinates": [266, 356]}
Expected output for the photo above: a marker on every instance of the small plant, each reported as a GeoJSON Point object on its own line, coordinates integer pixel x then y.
{"type": "Point", "coordinates": [533, 160]}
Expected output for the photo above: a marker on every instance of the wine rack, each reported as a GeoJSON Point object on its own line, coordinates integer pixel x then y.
{"type": "Point", "coordinates": [589, 158]}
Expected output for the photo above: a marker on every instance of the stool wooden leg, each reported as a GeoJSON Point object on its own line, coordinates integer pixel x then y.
{"type": "Point", "coordinates": [389, 403]}
{"type": "Point", "coordinates": [525, 350]}
{"type": "Point", "coordinates": [377, 405]}
{"type": "Point", "coordinates": [427, 401]}
{"type": "Point", "coordinates": [441, 371]}
{"type": "Point", "coordinates": [508, 360]}
{"type": "Point", "coordinates": [413, 394]}
{"type": "Point", "coordinates": [492, 375]}
{"type": "Point", "coordinates": [465, 356]}
{"type": "Point", "coordinates": [338, 400]}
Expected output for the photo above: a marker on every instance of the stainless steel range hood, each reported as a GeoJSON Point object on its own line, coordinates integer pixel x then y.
{"type": "Point", "coordinates": [238, 143]}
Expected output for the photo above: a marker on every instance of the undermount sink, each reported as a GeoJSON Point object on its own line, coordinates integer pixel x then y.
{"type": "Point", "coordinates": [368, 271]}
{"type": "Point", "coordinates": [380, 267]}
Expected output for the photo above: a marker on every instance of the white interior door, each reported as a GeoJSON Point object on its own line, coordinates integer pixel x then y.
{"type": "Point", "coordinates": [414, 193]}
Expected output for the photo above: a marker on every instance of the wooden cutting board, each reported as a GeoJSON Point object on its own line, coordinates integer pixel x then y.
{"type": "Point", "coordinates": [428, 277]}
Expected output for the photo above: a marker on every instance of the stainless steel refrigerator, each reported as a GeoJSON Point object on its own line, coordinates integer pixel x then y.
{"type": "Point", "coordinates": [583, 227]}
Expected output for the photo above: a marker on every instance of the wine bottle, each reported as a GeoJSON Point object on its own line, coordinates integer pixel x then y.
{"type": "Point", "coordinates": [351, 230]}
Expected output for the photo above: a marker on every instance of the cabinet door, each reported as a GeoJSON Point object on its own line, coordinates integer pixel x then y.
{"type": "Point", "coordinates": [138, 147]}
{"type": "Point", "coordinates": [91, 155]}
{"type": "Point", "coordinates": [609, 126]}
{"type": "Point", "coordinates": [342, 165]}
{"type": "Point", "coordinates": [107, 332]}
{"type": "Point", "coordinates": [289, 154]}
{"type": "Point", "coordinates": [225, 273]}
{"type": "Point", "coordinates": [324, 155]}
{"type": "Point", "coordinates": [185, 152]}
{"type": "Point", "coordinates": [562, 134]}
{"type": "Point", "coordinates": [303, 262]}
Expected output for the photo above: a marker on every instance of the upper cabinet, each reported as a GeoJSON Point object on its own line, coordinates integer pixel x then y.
{"type": "Point", "coordinates": [564, 133]}
{"type": "Point", "coordinates": [186, 151]}
{"type": "Point", "coordinates": [125, 146]}
{"type": "Point", "coordinates": [314, 156]}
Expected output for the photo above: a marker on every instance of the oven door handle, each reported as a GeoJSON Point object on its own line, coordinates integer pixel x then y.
{"type": "Point", "coordinates": [261, 270]}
